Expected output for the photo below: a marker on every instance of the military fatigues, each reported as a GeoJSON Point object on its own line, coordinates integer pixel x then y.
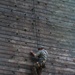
{"type": "Point", "coordinates": [42, 57]}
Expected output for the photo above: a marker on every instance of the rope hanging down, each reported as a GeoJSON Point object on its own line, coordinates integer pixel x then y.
{"type": "Point", "coordinates": [35, 22]}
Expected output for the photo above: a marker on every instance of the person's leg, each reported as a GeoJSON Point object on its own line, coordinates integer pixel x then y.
{"type": "Point", "coordinates": [34, 69]}
{"type": "Point", "coordinates": [39, 71]}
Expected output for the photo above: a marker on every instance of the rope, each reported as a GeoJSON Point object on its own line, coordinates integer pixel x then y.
{"type": "Point", "coordinates": [36, 32]}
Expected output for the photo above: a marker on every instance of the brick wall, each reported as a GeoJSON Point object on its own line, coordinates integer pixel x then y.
{"type": "Point", "coordinates": [26, 23]}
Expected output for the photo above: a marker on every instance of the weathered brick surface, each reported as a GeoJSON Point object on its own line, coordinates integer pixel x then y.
{"type": "Point", "coordinates": [26, 23]}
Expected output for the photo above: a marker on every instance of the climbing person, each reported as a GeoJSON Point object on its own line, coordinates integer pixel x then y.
{"type": "Point", "coordinates": [41, 58]}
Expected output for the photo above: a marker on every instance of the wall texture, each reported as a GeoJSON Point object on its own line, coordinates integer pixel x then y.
{"type": "Point", "coordinates": [26, 23]}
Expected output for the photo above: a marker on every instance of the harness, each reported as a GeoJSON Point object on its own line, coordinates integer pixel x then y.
{"type": "Point", "coordinates": [40, 64]}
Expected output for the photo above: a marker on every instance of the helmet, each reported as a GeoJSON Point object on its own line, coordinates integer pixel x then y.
{"type": "Point", "coordinates": [40, 46]}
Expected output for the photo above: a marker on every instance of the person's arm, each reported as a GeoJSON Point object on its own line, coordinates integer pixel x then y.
{"type": "Point", "coordinates": [32, 53]}
{"type": "Point", "coordinates": [35, 54]}
{"type": "Point", "coordinates": [38, 53]}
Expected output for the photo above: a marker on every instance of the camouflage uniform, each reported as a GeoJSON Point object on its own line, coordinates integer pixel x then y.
{"type": "Point", "coordinates": [41, 57]}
